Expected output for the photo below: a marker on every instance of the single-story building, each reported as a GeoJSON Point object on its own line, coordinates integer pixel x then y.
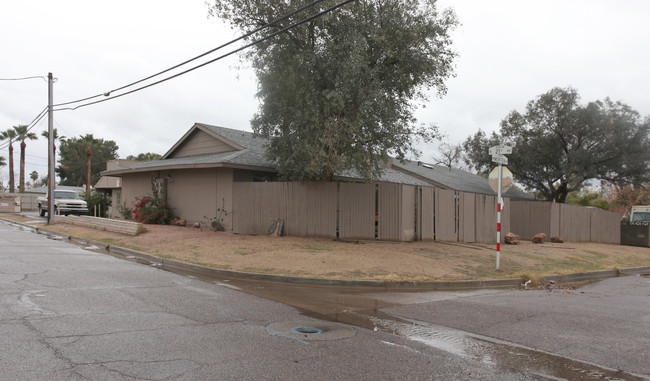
{"type": "Point", "coordinates": [201, 167]}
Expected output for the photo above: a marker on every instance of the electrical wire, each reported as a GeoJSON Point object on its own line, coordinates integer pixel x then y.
{"type": "Point", "coordinates": [268, 25]}
{"type": "Point", "coordinates": [23, 78]}
{"type": "Point", "coordinates": [215, 59]}
{"type": "Point", "coordinates": [31, 125]}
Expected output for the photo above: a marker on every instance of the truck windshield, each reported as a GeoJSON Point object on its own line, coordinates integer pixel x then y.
{"type": "Point", "coordinates": [68, 195]}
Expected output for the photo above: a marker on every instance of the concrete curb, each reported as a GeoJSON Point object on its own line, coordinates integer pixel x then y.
{"type": "Point", "coordinates": [199, 271]}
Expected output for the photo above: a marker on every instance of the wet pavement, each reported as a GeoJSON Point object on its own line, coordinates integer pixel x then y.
{"type": "Point", "coordinates": [599, 331]}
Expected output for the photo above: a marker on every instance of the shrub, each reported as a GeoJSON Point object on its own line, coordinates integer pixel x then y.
{"type": "Point", "coordinates": [153, 209]}
{"type": "Point", "coordinates": [125, 211]}
{"type": "Point", "coordinates": [97, 202]}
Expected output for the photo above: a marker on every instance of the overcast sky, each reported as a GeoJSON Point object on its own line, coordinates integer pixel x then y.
{"type": "Point", "coordinates": [509, 52]}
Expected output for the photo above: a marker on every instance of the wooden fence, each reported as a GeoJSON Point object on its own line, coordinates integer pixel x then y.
{"type": "Point", "coordinates": [571, 222]}
{"type": "Point", "coordinates": [398, 212]}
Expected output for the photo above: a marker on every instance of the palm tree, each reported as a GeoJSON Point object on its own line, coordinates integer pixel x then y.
{"type": "Point", "coordinates": [23, 133]}
{"type": "Point", "coordinates": [34, 177]}
{"type": "Point", "coordinates": [46, 135]}
{"type": "Point", "coordinates": [10, 135]}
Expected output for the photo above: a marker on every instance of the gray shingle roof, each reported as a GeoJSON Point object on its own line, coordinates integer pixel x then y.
{"type": "Point", "coordinates": [454, 178]}
{"type": "Point", "coordinates": [253, 155]}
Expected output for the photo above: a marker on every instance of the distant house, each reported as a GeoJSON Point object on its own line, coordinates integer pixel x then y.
{"type": "Point", "coordinates": [111, 186]}
{"type": "Point", "coordinates": [452, 178]}
{"type": "Point", "coordinates": [201, 167]}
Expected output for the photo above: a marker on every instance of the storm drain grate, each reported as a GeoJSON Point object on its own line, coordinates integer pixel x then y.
{"type": "Point", "coordinates": [310, 330]}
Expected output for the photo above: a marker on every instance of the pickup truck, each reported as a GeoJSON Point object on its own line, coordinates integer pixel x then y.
{"type": "Point", "coordinates": [65, 202]}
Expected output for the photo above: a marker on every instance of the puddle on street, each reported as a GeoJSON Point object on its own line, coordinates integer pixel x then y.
{"type": "Point", "coordinates": [354, 306]}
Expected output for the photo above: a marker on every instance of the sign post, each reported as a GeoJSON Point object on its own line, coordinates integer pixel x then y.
{"type": "Point", "coordinates": [498, 156]}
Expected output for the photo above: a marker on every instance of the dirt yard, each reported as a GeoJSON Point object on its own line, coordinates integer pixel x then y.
{"type": "Point", "coordinates": [326, 258]}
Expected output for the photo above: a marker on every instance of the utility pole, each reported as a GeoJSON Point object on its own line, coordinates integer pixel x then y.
{"type": "Point", "coordinates": [50, 149]}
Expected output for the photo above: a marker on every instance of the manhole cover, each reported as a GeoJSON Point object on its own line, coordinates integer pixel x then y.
{"type": "Point", "coordinates": [310, 330]}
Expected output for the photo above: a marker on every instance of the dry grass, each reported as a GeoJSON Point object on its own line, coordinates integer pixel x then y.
{"type": "Point", "coordinates": [325, 258]}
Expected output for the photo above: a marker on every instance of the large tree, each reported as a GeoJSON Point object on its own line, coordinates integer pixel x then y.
{"type": "Point", "coordinates": [72, 159]}
{"type": "Point", "coordinates": [339, 92]}
{"type": "Point", "coordinates": [10, 136]}
{"type": "Point", "coordinates": [148, 156]}
{"type": "Point", "coordinates": [560, 144]}
{"type": "Point", "coordinates": [22, 134]}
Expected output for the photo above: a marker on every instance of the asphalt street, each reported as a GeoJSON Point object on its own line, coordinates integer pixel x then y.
{"type": "Point", "coordinates": [69, 313]}
{"type": "Point", "coordinates": [606, 324]}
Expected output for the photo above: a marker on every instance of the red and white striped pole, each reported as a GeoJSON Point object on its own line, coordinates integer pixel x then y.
{"type": "Point", "coordinates": [500, 179]}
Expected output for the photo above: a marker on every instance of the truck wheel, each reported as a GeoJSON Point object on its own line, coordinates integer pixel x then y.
{"type": "Point", "coordinates": [41, 211]}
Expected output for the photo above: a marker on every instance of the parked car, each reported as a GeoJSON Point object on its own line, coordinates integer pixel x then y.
{"type": "Point", "coordinates": [65, 202]}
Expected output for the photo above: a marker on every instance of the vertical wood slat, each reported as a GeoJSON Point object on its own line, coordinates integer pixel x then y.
{"type": "Point", "coordinates": [427, 232]}
{"type": "Point", "coordinates": [357, 211]}
{"type": "Point", "coordinates": [445, 215]}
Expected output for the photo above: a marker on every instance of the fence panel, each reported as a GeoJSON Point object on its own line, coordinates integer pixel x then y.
{"type": "Point", "coordinates": [528, 218]}
{"type": "Point", "coordinates": [322, 198]}
{"type": "Point", "coordinates": [357, 211]}
{"type": "Point", "coordinates": [605, 226]}
{"type": "Point", "coordinates": [468, 213]}
{"type": "Point", "coordinates": [575, 222]}
{"type": "Point", "coordinates": [389, 221]}
{"type": "Point", "coordinates": [427, 225]}
{"type": "Point", "coordinates": [486, 218]}
{"type": "Point", "coordinates": [555, 219]}
{"type": "Point", "coordinates": [407, 212]}
{"type": "Point", "coordinates": [445, 215]}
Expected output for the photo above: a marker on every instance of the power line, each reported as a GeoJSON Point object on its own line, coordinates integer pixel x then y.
{"type": "Point", "coordinates": [31, 125]}
{"type": "Point", "coordinates": [215, 59]}
{"type": "Point", "coordinates": [23, 78]}
{"type": "Point", "coordinates": [195, 58]}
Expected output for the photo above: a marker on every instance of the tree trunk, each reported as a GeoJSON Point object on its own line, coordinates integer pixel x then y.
{"type": "Point", "coordinates": [12, 180]}
{"type": "Point", "coordinates": [88, 154]}
{"type": "Point", "coordinates": [561, 193]}
{"type": "Point", "coordinates": [21, 187]}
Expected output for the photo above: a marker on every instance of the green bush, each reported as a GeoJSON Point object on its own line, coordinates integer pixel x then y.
{"type": "Point", "coordinates": [97, 201]}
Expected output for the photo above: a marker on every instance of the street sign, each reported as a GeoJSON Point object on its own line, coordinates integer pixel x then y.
{"type": "Point", "coordinates": [500, 159]}
{"type": "Point", "coordinates": [500, 150]}
{"type": "Point", "coordinates": [506, 179]}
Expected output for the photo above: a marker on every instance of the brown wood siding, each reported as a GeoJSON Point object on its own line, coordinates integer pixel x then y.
{"type": "Point", "coordinates": [191, 194]}
{"type": "Point", "coordinates": [224, 196]}
{"type": "Point", "coordinates": [135, 185]}
{"type": "Point", "coordinates": [199, 142]}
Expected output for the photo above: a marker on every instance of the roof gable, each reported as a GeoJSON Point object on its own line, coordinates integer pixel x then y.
{"type": "Point", "coordinates": [200, 140]}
